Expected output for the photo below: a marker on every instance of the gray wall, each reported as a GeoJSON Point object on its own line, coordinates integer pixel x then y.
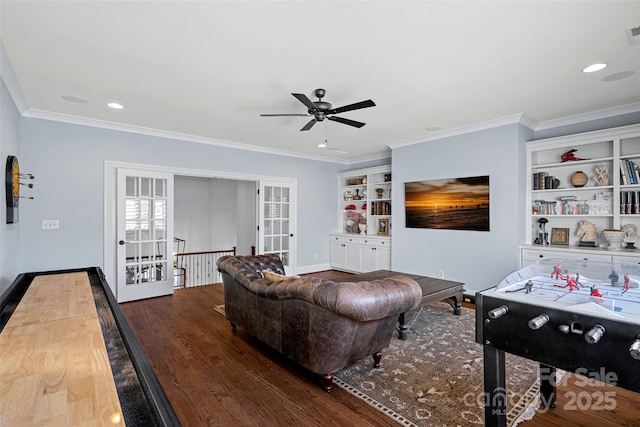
{"type": "Point", "coordinates": [479, 259]}
{"type": "Point", "coordinates": [68, 161]}
{"type": "Point", "coordinates": [215, 214]}
{"type": "Point", "coordinates": [9, 146]}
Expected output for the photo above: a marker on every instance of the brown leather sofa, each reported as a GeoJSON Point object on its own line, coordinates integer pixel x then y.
{"type": "Point", "coordinates": [322, 325]}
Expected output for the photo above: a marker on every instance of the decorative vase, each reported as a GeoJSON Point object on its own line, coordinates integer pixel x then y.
{"type": "Point", "coordinates": [579, 179]}
{"type": "Point", "coordinates": [379, 191]}
{"type": "Point", "coordinates": [614, 238]}
{"type": "Point", "coordinates": [348, 195]}
{"type": "Point", "coordinates": [357, 195]}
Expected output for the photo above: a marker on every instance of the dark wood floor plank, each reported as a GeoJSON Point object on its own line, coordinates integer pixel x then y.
{"type": "Point", "coordinates": [214, 377]}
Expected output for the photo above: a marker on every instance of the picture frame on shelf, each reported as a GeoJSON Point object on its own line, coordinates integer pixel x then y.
{"type": "Point", "coordinates": [560, 236]}
{"type": "Point", "coordinates": [383, 227]}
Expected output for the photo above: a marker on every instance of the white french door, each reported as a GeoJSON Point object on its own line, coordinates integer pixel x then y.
{"type": "Point", "coordinates": [144, 234]}
{"type": "Point", "coordinates": [277, 221]}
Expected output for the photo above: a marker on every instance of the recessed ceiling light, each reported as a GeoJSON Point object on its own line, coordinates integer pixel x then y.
{"type": "Point", "coordinates": [322, 145]}
{"type": "Point", "coordinates": [72, 98]}
{"type": "Point", "coordinates": [115, 106]}
{"type": "Point", "coordinates": [593, 68]}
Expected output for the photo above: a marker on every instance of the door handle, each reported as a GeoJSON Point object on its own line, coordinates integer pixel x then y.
{"type": "Point", "coordinates": [121, 242]}
{"type": "Point", "coordinates": [291, 235]}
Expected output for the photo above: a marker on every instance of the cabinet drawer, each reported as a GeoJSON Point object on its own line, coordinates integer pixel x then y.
{"type": "Point", "coordinates": [375, 242]}
{"type": "Point", "coordinates": [630, 259]}
{"type": "Point", "coordinates": [532, 255]}
{"type": "Point", "coordinates": [346, 239]}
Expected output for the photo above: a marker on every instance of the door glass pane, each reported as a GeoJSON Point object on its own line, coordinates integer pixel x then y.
{"type": "Point", "coordinates": [146, 230]}
{"type": "Point", "coordinates": [268, 194]}
{"type": "Point", "coordinates": [276, 227]}
{"type": "Point", "coordinates": [285, 227]}
{"type": "Point", "coordinates": [161, 188]}
{"type": "Point", "coordinates": [285, 194]}
{"type": "Point", "coordinates": [268, 247]}
{"type": "Point", "coordinates": [132, 186]}
{"type": "Point", "coordinates": [145, 211]}
{"type": "Point", "coordinates": [145, 187]}
{"type": "Point", "coordinates": [267, 228]}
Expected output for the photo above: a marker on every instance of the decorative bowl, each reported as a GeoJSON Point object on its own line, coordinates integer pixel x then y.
{"type": "Point", "coordinates": [614, 237]}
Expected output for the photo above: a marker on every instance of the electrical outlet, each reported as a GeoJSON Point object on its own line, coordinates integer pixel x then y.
{"type": "Point", "coordinates": [50, 224]}
{"type": "Point", "coordinates": [440, 274]}
{"type": "Point", "coordinates": [317, 257]}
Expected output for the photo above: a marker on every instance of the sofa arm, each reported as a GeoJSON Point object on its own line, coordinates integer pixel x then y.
{"type": "Point", "coordinates": [246, 269]}
{"type": "Point", "coordinates": [377, 299]}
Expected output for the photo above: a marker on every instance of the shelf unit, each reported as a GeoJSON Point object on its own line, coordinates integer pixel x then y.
{"type": "Point", "coordinates": [363, 242]}
{"type": "Point", "coordinates": [360, 189]}
{"type": "Point", "coordinates": [595, 202]}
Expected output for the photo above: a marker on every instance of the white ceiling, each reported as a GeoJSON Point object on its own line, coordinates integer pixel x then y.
{"type": "Point", "coordinates": [208, 69]}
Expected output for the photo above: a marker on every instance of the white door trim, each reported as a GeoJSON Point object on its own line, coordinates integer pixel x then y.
{"type": "Point", "coordinates": [110, 194]}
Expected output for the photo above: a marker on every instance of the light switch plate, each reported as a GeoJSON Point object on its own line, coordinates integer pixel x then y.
{"type": "Point", "coordinates": [50, 224]}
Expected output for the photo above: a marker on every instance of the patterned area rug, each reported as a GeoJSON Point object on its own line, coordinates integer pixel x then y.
{"type": "Point", "coordinates": [435, 377]}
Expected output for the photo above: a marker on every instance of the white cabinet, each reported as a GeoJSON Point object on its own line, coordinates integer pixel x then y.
{"type": "Point", "coordinates": [609, 202]}
{"type": "Point", "coordinates": [359, 254]}
{"type": "Point", "coordinates": [375, 254]}
{"type": "Point", "coordinates": [344, 253]}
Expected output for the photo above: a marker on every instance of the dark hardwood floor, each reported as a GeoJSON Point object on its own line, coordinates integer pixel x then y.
{"type": "Point", "coordinates": [214, 377]}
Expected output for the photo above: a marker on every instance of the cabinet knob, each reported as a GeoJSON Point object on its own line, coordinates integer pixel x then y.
{"type": "Point", "coordinates": [541, 256]}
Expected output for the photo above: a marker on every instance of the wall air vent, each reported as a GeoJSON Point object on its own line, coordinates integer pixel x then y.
{"type": "Point", "coordinates": [633, 35]}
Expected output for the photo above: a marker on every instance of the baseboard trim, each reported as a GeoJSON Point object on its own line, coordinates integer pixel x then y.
{"type": "Point", "coordinates": [306, 269]}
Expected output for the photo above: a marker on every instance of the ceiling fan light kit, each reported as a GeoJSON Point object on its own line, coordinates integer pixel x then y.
{"type": "Point", "coordinates": [321, 110]}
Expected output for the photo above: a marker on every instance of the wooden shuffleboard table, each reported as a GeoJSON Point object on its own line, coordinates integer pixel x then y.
{"type": "Point", "coordinates": [68, 356]}
{"type": "Point", "coordinates": [433, 290]}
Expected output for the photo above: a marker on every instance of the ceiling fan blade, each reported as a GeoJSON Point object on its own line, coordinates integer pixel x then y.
{"type": "Point", "coordinates": [350, 107]}
{"type": "Point", "coordinates": [306, 101]}
{"type": "Point", "coordinates": [309, 125]}
{"type": "Point", "coordinates": [346, 121]}
{"type": "Point", "coordinates": [283, 115]}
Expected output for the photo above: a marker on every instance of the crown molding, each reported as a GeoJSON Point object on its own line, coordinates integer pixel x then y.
{"type": "Point", "coordinates": [10, 80]}
{"type": "Point", "coordinates": [520, 118]}
{"type": "Point", "coordinates": [121, 127]}
{"type": "Point", "coordinates": [592, 115]}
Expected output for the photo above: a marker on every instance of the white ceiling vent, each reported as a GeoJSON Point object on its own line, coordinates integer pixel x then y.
{"type": "Point", "coordinates": [633, 35]}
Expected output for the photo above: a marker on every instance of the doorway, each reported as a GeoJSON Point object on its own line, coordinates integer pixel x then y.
{"type": "Point", "coordinates": [248, 218]}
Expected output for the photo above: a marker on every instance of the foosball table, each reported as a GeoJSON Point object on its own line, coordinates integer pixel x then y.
{"type": "Point", "coordinates": [575, 315]}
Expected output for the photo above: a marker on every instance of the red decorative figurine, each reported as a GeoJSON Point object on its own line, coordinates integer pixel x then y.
{"type": "Point", "coordinates": [569, 156]}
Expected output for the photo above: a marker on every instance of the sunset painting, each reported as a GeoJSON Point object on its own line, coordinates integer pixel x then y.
{"type": "Point", "coordinates": [457, 204]}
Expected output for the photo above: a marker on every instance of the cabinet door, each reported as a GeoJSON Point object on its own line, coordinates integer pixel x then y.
{"type": "Point", "coordinates": [375, 255]}
{"type": "Point", "coordinates": [344, 253]}
{"type": "Point", "coordinates": [368, 258]}
{"type": "Point", "coordinates": [351, 260]}
{"type": "Point", "coordinates": [383, 258]}
{"type": "Point", "coordinates": [337, 254]}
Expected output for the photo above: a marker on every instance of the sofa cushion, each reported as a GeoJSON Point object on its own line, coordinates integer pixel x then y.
{"type": "Point", "coordinates": [276, 277]}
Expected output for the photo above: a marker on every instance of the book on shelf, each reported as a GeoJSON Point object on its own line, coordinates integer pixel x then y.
{"type": "Point", "coordinates": [629, 172]}
{"type": "Point", "coordinates": [630, 202]}
{"type": "Point", "coordinates": [380, 208]}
